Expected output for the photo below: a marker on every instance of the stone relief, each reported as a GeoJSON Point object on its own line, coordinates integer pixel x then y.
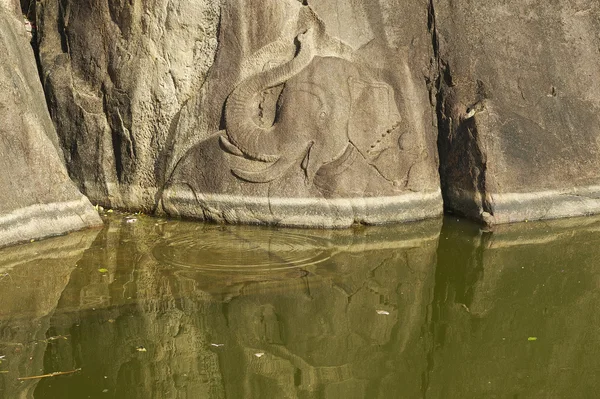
{"type": "Point", "coordinates": [326, 111]}
{"type": "Point", "coordinates": [306, 120]}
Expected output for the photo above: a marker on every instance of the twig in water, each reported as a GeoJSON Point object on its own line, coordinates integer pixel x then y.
{"type": "Point", "coordinates": [56, 338]}
{"type": "Point", "coordinates": [55, 374]}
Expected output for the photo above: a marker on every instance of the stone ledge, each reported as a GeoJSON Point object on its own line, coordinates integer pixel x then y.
{"type": "Point", "coordinates": [181, 201]}
{"type": "Point", "coordinates": [551, 204]}
{"type": "Point", "coordinates": [537, 205]}
{"type": "Point", "coordinates": [46, 220]}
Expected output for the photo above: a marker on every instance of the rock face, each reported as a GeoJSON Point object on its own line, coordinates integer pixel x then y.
{"type": "Point", "coordinates": [37, 198]}
{"type": "Point", "coordinates": [323, 113]}
{"type": "Point", "coordinates": [116, 75]}
{"type": "Point", "coordinates": [280, 112]}
{"type": "Point", "coordinates": [319, 117]}
{"type": "Point", "coordinates": [519, 107]}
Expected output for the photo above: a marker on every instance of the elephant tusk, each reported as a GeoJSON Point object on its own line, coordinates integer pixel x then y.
{"type": "Point", "coordinates": [232, 149]}
{"type": "Point", "coordinates": [229, 147]}
{"type": "Point", "coordinates": [266, 175]}
{"type": "Point", "coordinates": [273, 171]}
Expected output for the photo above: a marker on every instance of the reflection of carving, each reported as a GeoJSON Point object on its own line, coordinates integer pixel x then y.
{"type": "Point", "coordinates": [316, 326]}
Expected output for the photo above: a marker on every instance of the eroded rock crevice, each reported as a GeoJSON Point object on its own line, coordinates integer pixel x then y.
{"type": "Point", "coordinates": [462, 159]}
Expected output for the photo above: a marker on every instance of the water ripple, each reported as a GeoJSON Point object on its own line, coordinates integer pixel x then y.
{"type": "Point", "coordinates": [244, 249]}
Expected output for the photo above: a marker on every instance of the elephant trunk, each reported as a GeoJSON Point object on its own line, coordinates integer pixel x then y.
{"type": "Point", "coordinates": [251, 139]}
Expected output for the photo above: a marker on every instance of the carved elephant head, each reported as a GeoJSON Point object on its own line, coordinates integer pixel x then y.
{"type": "Point", "coordinates": [320, 99]}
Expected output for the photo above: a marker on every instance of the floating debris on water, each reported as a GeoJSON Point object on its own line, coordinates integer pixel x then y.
{"type": "Point", "coordinates": [50, 339]}
{"type": "Point", "coordinates": [55, 374]}
{"type": "Point", "coordinates": [217, 345]}
{"type": "Point", "coordinates": [259, 355]}
{"type": "Point", "coordinates": [530, 339]}
{"type": "Point", "coordinates": [103, 270]}
{"type": "Point", "coordinates": [383, 312]}
{"type": "Point", "coordinates": [141, 349]}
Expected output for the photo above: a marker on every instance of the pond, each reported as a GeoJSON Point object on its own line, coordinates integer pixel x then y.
{"type": "Point", "coordinates": [154, 308]}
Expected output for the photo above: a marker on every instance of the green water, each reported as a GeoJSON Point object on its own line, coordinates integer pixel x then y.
{"type": "Point", "coordinates": [149, 308]}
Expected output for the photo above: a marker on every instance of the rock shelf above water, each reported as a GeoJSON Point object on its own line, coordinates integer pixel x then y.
{"type": "Point", "coordinates": [302, 113]}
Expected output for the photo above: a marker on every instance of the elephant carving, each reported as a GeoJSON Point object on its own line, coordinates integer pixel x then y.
{"type": "Point", "coordinates": [306, 131]}
{"type": "Point", "coordinates": [328, 108]}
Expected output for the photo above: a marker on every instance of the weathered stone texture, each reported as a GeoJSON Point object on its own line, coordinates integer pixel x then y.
{"type": "Point", "coordinates": [149, 92]}
{"type": "Point", "coordinates": [323, 113]}
{"type": "Point", "coordinates": [316, 114]}
{"type": "Point", "coordinates": [37, 198]}
{"type": "Point", "coordinates": [519, 107]}
{"type": "Point", "coordinates": [117, 75]}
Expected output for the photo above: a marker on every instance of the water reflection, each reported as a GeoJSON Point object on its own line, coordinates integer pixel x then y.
{"type": "Point", "coordinates": [165, 309]}
{"type": "Point", "coordinates": [32, 278]}
{"type": "Point", "coordinates": [515, 311]}
{"type": "Point", "coordinates": [175, 309]}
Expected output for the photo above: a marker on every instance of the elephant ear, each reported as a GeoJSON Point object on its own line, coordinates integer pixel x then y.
{"type": "Point", "coordinates": [373, 116]}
